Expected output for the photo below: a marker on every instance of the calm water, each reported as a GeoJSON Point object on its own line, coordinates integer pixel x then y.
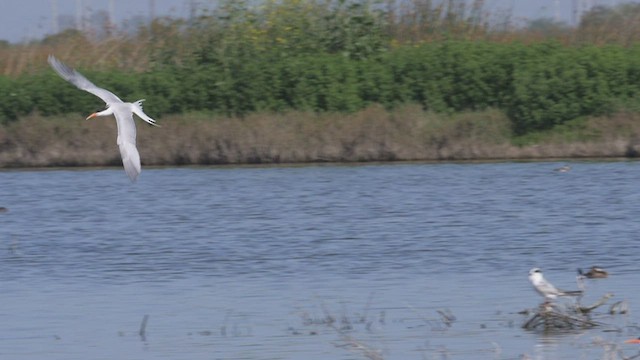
{"type": "Point", "coordinates": [250, 263]}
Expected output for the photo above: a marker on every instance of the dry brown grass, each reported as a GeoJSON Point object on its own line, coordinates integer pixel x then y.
{"type": "Point", "coordinates": [65, 141]}
{"type": "Point", "coordinates": [31, 58]}
{"type": "Point", "coordinates": [373, 134]}
{"type": "Point", "coordinates": [132, 53]}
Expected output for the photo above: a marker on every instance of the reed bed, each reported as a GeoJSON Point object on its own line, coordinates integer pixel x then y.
{"type": "Point", "coordinates": [373, 134]}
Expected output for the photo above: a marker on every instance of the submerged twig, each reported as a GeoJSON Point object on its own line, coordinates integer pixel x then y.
{"type": "Point", "coordinates": [600, 302]}
{"type": "Point", "coordinates": [366, 350]}
{"type": "Point", "coordinates": [446, 318]}
{"type": "Point", "coordinates": [143, 328]}
{"type": "Point", "coordinates": [343, 325]}
{"type": "Point", "coordinates": [548, 318]}
{"type": "Point", "coordinates": [621, 307]}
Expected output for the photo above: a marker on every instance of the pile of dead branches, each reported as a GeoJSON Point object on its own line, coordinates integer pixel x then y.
{"type": "Point", "coordinates": [551, 316]}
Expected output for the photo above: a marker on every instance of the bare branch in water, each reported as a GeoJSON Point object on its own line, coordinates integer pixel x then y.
{"type": "Point", "coordinates": [602, 301]}
{"type": "Point", "coordinates": [549, 317]}
{"type": "Point", "coordinates": [143, 328]}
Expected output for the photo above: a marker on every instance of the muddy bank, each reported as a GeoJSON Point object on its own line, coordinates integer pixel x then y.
{"type": "Point", "coordinates": [374, 134]}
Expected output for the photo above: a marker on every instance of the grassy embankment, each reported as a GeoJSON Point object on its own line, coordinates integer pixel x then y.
{"type": "Point", "coordinates": [256, 86]}
{"type": "Point", "coordinates": [373, 134]}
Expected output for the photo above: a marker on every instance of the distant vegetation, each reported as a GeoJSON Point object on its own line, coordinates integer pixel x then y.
{"type": "Point", "coordinates": [346, 57]}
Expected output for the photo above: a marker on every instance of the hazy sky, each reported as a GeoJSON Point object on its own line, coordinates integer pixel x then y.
{"type": "Point", "coordinates": [32, 19]}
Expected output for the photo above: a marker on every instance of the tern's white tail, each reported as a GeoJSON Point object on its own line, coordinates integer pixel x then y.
{"type": "Point", "coordinates": [136, 107]}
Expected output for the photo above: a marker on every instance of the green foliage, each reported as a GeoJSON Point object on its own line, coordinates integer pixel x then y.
{"type": "Point", "coordinates": [539, 86]}
{"type": "Point", "coordinates": [339, 56]}
{"type": "Point", "coordinates": [554, 84]}
{"type": "Point", "coordinates": [355, 30]}
{"type": "Point", "coordinates": [15, 100]}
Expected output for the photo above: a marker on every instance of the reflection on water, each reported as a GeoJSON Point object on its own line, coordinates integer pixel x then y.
{"type": "Point", "coordinates": [321, 262]}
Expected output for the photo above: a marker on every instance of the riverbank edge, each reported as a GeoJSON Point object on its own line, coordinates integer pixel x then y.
{"type": "Point", "coordinates": [372, 135]}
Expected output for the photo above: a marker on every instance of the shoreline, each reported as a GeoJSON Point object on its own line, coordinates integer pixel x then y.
{"type": "Point", "coordinates": [407, 134]}
{"type": "Point", "coordinates": [560, 160]}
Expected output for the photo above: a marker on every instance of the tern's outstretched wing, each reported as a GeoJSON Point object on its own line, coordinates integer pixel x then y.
{"type": "Point", "coordinates": [81, 82]}
{"type": "Point", "coordinates": [546, 287]}
{"type": "Point", "coordinates": [130, 160]}
{"type": "Point", "coordinates": [127, 141]}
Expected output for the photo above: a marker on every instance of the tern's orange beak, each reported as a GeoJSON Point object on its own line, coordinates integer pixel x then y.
{"type": "Point", "coordinates": [632, 341]}
{"type": "Point", "coordinates": [91, 116]}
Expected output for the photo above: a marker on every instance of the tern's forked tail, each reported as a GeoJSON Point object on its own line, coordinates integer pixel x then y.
{"type": "Point", "coordinates": [136, 107]}
{"type": "Point", "coordinates": [573, 292]}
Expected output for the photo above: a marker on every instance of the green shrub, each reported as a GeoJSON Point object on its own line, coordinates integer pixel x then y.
{"type": "Point", "coordinates": [539, 86]}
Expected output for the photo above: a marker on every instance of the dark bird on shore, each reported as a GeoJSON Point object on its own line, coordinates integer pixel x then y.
{"type": "Point", "coordinates": [594, 273]}
{"type": "Point", "coordinates": [123, 111]}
